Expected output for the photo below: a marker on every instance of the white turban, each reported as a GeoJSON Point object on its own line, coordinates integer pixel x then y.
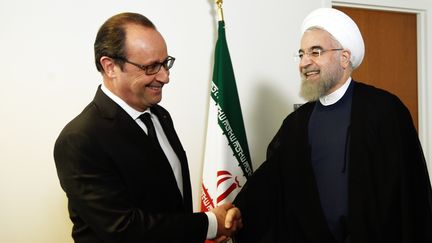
{"type": "Point", "coordinates": [341, 27]}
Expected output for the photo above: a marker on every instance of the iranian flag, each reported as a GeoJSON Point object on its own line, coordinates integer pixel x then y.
{"type": "Point", "coordinates": [227, 163]}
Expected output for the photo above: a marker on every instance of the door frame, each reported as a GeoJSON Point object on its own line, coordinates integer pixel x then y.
{"type": "Point", "coordinates": [423, 9]}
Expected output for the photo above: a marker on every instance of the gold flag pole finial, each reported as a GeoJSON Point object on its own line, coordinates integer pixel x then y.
{"type": "Point", "coordinates": [220, 10]}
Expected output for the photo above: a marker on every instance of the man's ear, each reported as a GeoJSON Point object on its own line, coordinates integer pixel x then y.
{"type": "Point", "coordinates": [108, 65]}
{"type": "Point", "coordinates": [346, 57]}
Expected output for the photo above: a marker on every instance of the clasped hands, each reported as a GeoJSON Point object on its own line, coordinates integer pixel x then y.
{"type": "Point", "coordinates": [229, 221]}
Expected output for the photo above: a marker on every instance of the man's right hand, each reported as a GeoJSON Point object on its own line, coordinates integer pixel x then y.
{"type": "Point", "coordinates": [229, 221]}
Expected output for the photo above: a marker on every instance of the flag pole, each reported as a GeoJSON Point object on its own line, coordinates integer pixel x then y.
{"type": "Point", "coordinates": [220, 10]}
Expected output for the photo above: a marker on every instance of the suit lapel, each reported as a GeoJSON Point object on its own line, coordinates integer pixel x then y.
{"type": "Point", "coordinates": [133, 143]}
{"type": "Point", "coordinates": [168, 127]}
{"type": "Point", "coordinates": [122, 122]}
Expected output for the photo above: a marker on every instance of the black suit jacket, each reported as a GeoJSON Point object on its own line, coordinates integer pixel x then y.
{"type": "Point", "coordinates": [389, 188]}
{"type": "Point", "coordinates": [120, 187]}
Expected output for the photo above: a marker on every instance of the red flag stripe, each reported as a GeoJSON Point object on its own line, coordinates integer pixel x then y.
{"type": "Point", "coordinates": [206, 200]}
{"type": "Point", "coordinates": [222, 180]}
{"type": "Point", "coordinates": [223, 172]}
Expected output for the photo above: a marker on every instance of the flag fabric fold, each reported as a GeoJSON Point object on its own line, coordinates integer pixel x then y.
{"type": "Point", "coordinates": [227, 163]}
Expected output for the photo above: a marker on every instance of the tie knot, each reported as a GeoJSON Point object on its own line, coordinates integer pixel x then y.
{"type": "Point", "coordinates": [151, 132]}
{"type": "Point", "coordinates": [146, 118]}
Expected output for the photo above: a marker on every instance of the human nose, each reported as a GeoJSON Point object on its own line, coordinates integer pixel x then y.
{"type": "Point", "coordinates": [163, 75]}
{"type": "Point", "coordinates": [305, 60]}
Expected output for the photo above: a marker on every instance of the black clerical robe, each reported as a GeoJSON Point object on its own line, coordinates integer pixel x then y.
{"type": "Point", "coordinates": [389, 192]}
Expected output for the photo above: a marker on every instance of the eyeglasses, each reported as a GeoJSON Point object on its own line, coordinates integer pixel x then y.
{"type": "Point", "coordinates": [151, 68]}
{"type": "Point", "coordinates": [314, 53]}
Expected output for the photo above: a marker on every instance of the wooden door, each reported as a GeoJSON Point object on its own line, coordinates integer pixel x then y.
{"type": "Point", "coordinates": [390, 60]}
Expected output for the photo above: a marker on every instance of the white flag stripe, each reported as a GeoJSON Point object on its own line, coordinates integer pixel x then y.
{"type": "Point", "coordinates": [219, 157]}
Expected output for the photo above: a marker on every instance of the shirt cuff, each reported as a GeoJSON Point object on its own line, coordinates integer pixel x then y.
{"type": "Point", "coordinates": [212, 225]}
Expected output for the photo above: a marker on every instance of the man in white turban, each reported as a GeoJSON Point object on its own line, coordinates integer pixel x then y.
{"type": "Point", "coordinates": [345, 167]}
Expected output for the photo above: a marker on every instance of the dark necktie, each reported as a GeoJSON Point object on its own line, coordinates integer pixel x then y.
{"type": "Point", "coordinates": [151, 132]}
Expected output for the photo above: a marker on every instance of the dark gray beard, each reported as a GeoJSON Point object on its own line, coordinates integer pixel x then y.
{"type": "Point", "coordinates": [312, 91]}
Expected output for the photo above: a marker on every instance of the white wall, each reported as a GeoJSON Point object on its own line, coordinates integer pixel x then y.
{"type": "Point", "coordinates": [48, 76]}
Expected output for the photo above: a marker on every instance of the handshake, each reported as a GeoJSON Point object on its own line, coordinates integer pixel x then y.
{"type": "Point", "coordinates": [229, 221]}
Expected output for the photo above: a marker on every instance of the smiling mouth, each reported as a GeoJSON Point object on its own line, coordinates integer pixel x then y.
{"type": "Point", "coordinates": [311, 73]}
{"type": "Point", "coordinates": [155, 87]}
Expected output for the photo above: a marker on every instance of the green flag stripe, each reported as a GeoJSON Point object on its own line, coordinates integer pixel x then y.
{"type": "Point", "coordinates": [224, 93]}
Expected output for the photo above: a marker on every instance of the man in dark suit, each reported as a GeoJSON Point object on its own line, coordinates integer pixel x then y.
{"type": "Point", "coordinates": [120, 162]}
{"type": "Point", "coordinates": [346, 167]}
